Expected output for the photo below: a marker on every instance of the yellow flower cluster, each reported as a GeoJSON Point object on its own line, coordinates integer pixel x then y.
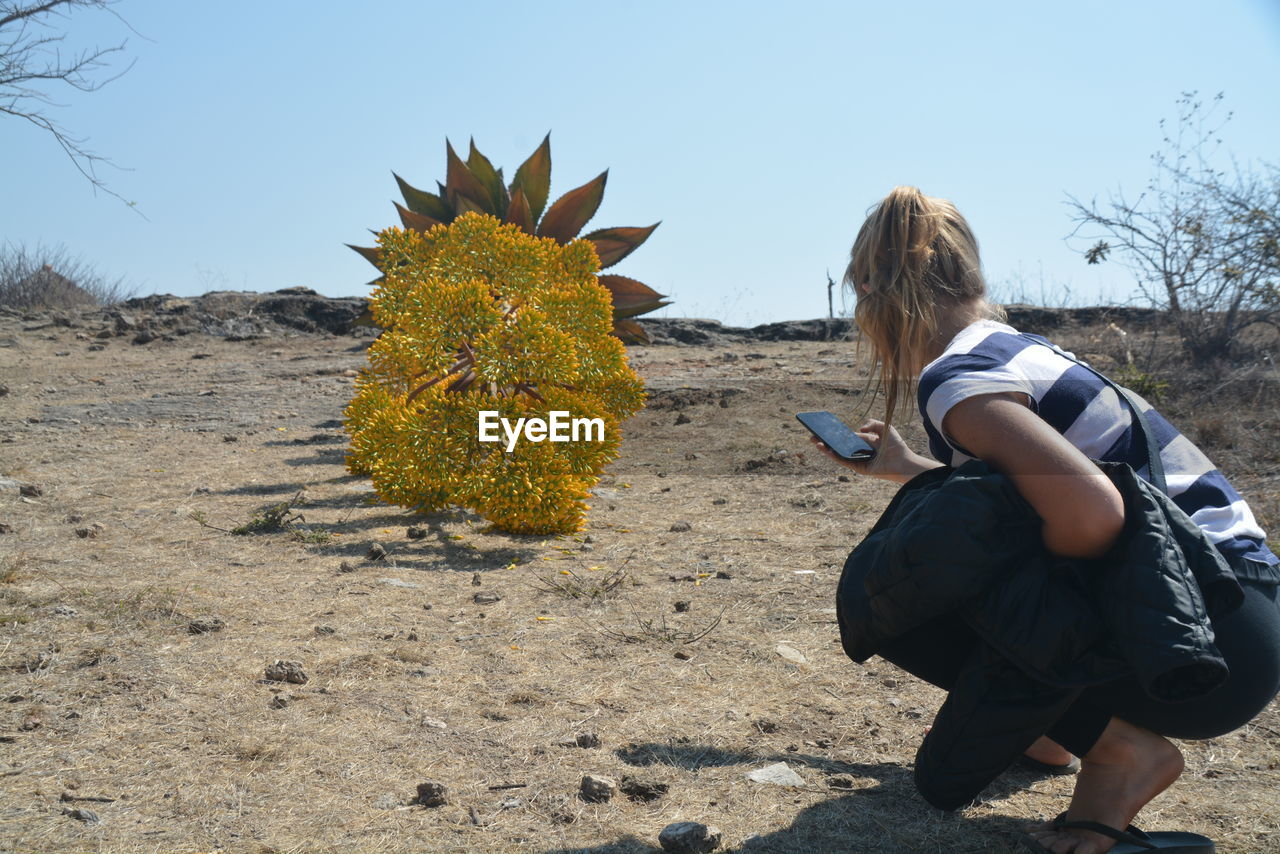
{"type": "Point", "coordinates": [480, 315]}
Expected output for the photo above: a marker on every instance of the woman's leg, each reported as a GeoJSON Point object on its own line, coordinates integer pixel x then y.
{"type": "Point", "coordinates": [1129, 761]}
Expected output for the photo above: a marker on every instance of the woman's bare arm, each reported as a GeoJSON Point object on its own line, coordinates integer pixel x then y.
{"type": "Point", "coordinates": [1082, 510]}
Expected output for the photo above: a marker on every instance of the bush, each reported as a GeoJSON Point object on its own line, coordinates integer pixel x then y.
{"type": "Point", "coordinates": [1202, 242]}
{"type": "Point", "coordinates": [51, 278]}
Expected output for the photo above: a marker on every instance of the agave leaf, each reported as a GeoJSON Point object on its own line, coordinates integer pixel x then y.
{"type": "Point", "coordinates": [614, 244]}
{"type": "Point", "coordinates": [573, 210]}
{"type": "Point", "coordinates": [518, 211]}
{"type": "Point", "coordinates": [490, 178]}
{"type": "Point", "coordinates": [370, 253]}
{"type": "Point", "coordinates": [630, 332]}
{"type": "Point", "coordinates": [534, 178]}
{"type": "Point", "coordinates": [630, 297]}
{"type": "Point", "coordinates": [420, 201]}
{"type": "Point", "coordinates": [466, 205]}
{"type": "Point", "coordinates": [460, 183]}
{"type": "Point", "coordinates": [416, 221]}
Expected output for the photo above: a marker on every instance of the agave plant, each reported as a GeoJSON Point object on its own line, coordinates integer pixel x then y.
{"type": "Point", "coordinates": [476, 186]}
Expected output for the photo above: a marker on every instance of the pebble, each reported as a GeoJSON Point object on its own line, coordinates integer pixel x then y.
{"type": "Point", "coordinates": [205, 625]}
{"type": "Point", "coordinates": [790, 653]}
{"type": "Point", "coordinates": [377, 552]}
{"type": "Point", "coordinates": [598, 789]}
{"type": "Point", "coordinates": [286, 671]}
{"type": "Point", "coordinates": [689, 837]}
{"type": "Point", "coordinates": [778, 774]}
{"type": "Point", "coordinates": [680, 527]}
{"type": "Point", "coordinates": [486, 598]}
{"type": "Point", "coordinates": [432, 794]}
{"type": "Point", "coordinates": [416, 533]}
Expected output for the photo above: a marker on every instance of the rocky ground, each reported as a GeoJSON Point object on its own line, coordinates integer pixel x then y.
{"type": "Point", "coordinates": [343, 675]}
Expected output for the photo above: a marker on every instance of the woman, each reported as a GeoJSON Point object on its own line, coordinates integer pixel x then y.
{"type": "Point", "coordinates": [1032, 413]}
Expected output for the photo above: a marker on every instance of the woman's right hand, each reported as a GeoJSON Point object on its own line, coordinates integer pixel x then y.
{"type": "Point", "coordinates": [893, 461]}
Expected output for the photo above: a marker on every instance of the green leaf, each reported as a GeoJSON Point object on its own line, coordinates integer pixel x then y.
{"type": "Point", "coordinates": [416, 221]}
{"type": "Point", "coordinates": [573, 210]}
{"type": "Point", "coordinates": [631, 298]}
{"type": "Point", "coordinates": [518, 212]}
{"type": "Point", "coordinates": [489, 177]}
{"type": "Point", "coordinates": [461, 183]}
{"type": "Point", "coordinates": [614, 244]}
{"type": "Point", "coordinates": [534, 178]}
{"type": "Point", "coordinates": [370, 254]}
{"type": "Point", "coordinates": [420, 201]}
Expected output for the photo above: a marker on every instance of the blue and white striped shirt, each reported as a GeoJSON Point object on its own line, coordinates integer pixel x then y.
{"type": "Point", "coordinates": [988, 356]}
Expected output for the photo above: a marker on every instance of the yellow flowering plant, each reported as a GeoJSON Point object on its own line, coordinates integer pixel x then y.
{"type": "Point", "coordinates": [482, 317]}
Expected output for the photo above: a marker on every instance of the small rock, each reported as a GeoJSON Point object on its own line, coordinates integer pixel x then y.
{"type": "Point", "coordinates": [376, 552]}
{"type": "Point", "coordinates": [680, 527]}
{"type": "Point", "coordinates": [682, 606]}
{"type": "Point", "coordinates": [689, 837]}
{"type": "Point", "coordinates": [432, 794]}
{"type": "Point", "coordinates": [778, 774]}
{"type": "Point", "coordinates": [683, 419]}
{"type": "Point", "coordinates": [65, 611]}
{"type": "Point", "coordinates": [350, 373]}
{"type": "Point", "coordinates": [6, 528]}
{"type": "Point", "coordinates": [346, 566]}
{"type": "Point", "coordinates": [230, 438]}
{"type": "Point", "coordinates": [205, 625]}
{"type": "Point", "coordinates": [146, 336]}
{"type": "Point", "coordinates": [765, 725]}
{"type": "Point", "coordinates": [89, 533]}
{"type": "Point", "coordinates": [642, 790]}
{"type": "Point", "coordinates": [432, 723]}
{"type": "Point", "coordinates": [31, 490]}
{"type": "Point", "coordinates": [286, 671]}
{"type": "Point", "coordinates": [790, 653]}
{"type": "Point", "coordinates": [587, 740]}
{"type": "Point", "coordinates": [416, 533]}
{"type": "Point", "coordinates": [325, 630]}
{"type": "Point", "coordinates": [598, 789]}
{"type": "Point", "coordinates": [719, 501]}
{"type": "Point", "coordinates": [475, 579]}
{"type": "Point", "coordinates": [30, 723]}
{"type": "Point", "coordinates": [279, 701]}
{"type": "Point", "coordinates": [683, 654]}
{"type": "Point", "coordinates": [723, 575]}
{"type": "Point", "coordinates": [840, 781]}
{"type": "Point", "coordinates": [486, 598]}
{"type": "Point", "coordinates": [4, 389]}
{"type": "Point", "coordinates": [87, 816]}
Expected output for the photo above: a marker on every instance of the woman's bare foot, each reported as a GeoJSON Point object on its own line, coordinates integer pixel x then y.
{"type": "Point", "coordinates": [1049, 752]}
{"type": "Point", "coordinates": [1127, 767]}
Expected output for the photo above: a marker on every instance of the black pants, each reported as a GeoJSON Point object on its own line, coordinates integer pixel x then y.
{"type": "Point", "coordinates": [1248, 638]}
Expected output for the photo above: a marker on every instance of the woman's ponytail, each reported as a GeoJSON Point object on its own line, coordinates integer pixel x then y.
{"type": "Point", "coordinates": [914, 254]}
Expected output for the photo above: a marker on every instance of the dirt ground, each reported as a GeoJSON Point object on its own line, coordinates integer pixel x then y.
{"type": "Point", "coordinates": [683, 639]}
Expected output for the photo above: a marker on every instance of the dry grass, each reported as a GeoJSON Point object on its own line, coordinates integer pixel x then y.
{"type": "Point", "coordinates": [107, 693]}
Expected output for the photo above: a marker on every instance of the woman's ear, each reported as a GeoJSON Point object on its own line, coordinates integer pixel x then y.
{"type": "Point", "coordinates": [865, 287]}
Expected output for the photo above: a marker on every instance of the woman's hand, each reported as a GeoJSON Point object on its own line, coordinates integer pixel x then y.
{"type": "Point", "coordinates": [894, 461]}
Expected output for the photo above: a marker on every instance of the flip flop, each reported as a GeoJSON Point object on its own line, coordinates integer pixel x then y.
{"type": "Point", "coordinates": [1026, 763]}
{"type": "Point", "coordinates": [1132, 840]}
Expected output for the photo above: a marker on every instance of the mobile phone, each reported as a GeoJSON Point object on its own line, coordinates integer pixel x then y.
{"type": "Point", "coordinates": [836, 435]}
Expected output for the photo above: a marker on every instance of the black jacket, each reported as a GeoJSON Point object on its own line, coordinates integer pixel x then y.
{"type": "Point", "coordinates": [965, 540]}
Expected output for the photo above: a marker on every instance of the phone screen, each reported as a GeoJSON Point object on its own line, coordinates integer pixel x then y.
{"type": "Point", "coordinates": [836, 435]}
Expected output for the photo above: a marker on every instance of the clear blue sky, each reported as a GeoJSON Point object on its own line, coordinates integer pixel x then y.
{"type": "Point", "coordinates": [262, 135]}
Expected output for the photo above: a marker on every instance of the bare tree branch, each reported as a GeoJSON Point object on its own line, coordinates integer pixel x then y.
{"type": "Point", "coordinates": [1202, 243]}
{"type": "Point", "coordinates": [31, 58]}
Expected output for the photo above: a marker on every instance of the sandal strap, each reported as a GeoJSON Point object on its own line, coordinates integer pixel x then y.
{"type": "Point", "coordinates": [1131, 835]}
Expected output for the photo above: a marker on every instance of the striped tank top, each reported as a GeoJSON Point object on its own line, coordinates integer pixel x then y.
{"type": "Point", "coordinates": [988, 356]}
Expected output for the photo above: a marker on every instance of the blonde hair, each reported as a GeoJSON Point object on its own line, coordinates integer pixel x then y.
{"type": "Point", "coordinates": [917, 255]}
